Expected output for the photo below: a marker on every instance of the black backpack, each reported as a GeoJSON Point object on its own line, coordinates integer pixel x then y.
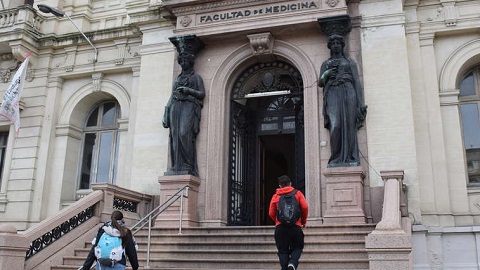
{"type": "Point", "coordinates": [288, 210]}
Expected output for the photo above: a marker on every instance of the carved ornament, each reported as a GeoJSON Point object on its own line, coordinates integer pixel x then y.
{"type": "Point", "coordinates": [261, 43]}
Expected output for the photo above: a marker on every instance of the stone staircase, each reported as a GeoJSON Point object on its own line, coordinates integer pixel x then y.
{"type": "Point", "coordinates": [232, 248]}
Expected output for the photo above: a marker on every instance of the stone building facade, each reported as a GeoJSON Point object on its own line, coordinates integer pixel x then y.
{"type": "Point", "coordinates": [91, 113]}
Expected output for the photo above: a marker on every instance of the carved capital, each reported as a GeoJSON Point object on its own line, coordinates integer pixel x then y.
{"type": "Point", "coordinates": [261, 43]}
{"type": "Point", "coordinates": [336, 25]}
{"type": "Point", "coordinates": [187, 44]}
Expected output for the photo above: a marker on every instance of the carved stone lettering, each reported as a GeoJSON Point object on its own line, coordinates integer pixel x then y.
{"type": "Point", "coordinates": [266, 10]}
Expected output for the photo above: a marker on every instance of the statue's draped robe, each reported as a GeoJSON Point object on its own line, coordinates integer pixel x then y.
{"type": "Point", "coordinates": [183, 113]}
{"type": "Point", "coordinates": [342, 111]}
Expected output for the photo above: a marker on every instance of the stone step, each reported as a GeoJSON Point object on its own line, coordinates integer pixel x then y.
{"type": "Point", "coordinates": [257, 229]}
{"type": "Point", "coordinates": [253, 245]}
{"type": "Point", "coordinates": [263, 264]}
{"type": "Point", "coordinates": [246, 238]}
{"type": "Point", "coordinates": [235, 248]}
{"type": "Point", "coordinates": [242, 264]}
{"type": "Point", "coordinates": [194, 255]}
{"type": "Point", "coordinates": [301, 267]}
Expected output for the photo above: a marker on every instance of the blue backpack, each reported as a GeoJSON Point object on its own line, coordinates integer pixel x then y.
{"type": "Point", "coordinates": [109, 249]}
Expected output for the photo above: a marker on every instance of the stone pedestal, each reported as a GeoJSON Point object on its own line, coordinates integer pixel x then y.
{"type": "Point", "coordinates": [13, 248]}
{"type": "Point", "coordinates": [389, 246]}
{"type": "Point", "coordinates": [390, 249]}
{"type": "Point", "coordinates": [171, 184]}
{"type": "Point", "coordinates": [344, 188]}
{"type": "Point", "coordinates": [382, 255]}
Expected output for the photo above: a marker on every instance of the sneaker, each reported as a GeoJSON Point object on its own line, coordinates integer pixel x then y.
{"type": "Point", "coordinates": [291, 267]}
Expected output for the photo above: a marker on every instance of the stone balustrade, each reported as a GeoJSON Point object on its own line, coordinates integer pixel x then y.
{"type": "Point", "coordinates": [21, 17]}
{"type": "Point", "coordinates": [46, 243]}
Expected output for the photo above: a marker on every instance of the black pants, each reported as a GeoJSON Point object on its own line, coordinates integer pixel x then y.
{"type": "Point", "coordinates": [289, 241]}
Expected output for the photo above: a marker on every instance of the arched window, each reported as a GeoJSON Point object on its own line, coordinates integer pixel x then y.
{"type": "Point", "coordinates": [100, 143]}
{"type": "Point", "coordinates": [469, 107]}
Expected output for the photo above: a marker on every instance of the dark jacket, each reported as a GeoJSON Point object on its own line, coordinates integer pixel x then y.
{"type": "Point", "coordinates": [128, 243]}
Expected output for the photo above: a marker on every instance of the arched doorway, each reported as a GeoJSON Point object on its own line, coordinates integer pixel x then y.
{"type": "Point", "coordinates": [266, 139]}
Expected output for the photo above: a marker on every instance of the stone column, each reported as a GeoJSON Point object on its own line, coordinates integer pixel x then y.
{"type": "Point", "coordinates": [169, 185]}
{"type": "Point", "coordinates": [13, 248]}
{"type": "Point", "coordinates": [344, 187]}
{"type": "Point", "coordinates": [389, 245]}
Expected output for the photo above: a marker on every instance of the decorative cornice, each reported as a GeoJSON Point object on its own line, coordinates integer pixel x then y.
{"type": "Point", "coordinates": [449, 97]}
{"type": "Point", "coordinates": [195, 6]}
{"type": "Point", "coordinates": [412, 27]}
{"type": "Point", "coordinates": [69, 130]}
{"type": "Point", "coordinates": [144, 16]}
{"type": "Point", "coordinates": [99, 35]}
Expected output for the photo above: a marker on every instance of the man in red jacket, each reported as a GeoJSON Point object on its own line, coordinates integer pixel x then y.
{"type": "Point", "coordinates": [288, 238]}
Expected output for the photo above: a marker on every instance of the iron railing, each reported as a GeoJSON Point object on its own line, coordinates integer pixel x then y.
{"type": "Point", "coordinates": [147, 220]}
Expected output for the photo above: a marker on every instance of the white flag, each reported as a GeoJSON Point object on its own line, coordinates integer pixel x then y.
{"type": "Point", "coordinates": [10, 103]}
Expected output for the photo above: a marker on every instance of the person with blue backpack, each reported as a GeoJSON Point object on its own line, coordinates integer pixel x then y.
{"type": "Point", "coordinates": [112, 243]}
{"type": "Point", "coordinates": [289, 209]}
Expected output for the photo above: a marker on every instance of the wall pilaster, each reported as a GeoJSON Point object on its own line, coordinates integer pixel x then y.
{"type": "Point", "coordinates": [150, 93]}
{"type": "Point", "coordinates": [390, 125]}
{"type": "Point", "coordinates": [436, 144]}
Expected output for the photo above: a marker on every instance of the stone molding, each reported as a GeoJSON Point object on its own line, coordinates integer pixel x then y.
{"type": "Point", "coordinates": [219, 17]}
{"type": "Point", "coordinates": [449, 98]}
{"type": "Point", "coordinates": [70, 131]}
{"type": "Point", "coordinates": [457, 64]}
{"type": "Point", "coordinates": [194, 6]}
{"type": "Point", "coordinates": [219, 94]}
{"type": "Point", "coordinates": [383, 20]}
{"type": "Point", "coordinates": [3, 202]}
{"type": "Point", "coordinates": [107, 86]}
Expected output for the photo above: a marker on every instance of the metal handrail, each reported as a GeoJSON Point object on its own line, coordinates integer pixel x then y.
{"type": "Point", "coordinates": [159, 209]}
{"type": "Point", "coordinates": [147, 220]}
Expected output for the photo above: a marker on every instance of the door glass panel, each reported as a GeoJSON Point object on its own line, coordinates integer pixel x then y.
{"type": "Point", "coordinates": [92, 120]}
{"type": "Point", "coordinates": [104, 156]}
{"type": "Point", "coordinates": [467, 88]}
{"type": "Point", "coordinates": [87, 159]}
{"type": "Point", "coordinates": [471, 125]}
{"type": "Point", "coordinates": [288, 122]}
{"type": "Point", "coordinates": [471, 129]}
{"type": "Point", "coordinates": [271, 126]}
{"type": "Point", "coordinates": [114, 180]}
{"type": "Point", "coordinates": [109, 111]}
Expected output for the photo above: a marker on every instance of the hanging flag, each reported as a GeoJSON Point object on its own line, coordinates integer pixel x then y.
{"type": "Point", "coordinates": [10, 103]}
